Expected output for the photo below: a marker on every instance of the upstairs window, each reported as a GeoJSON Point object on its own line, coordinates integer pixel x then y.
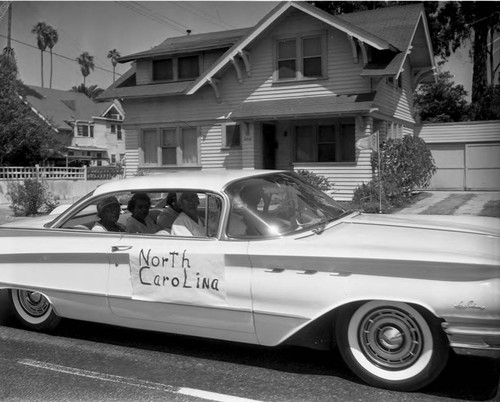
{"type": "Point", "coordinates": [301, 58]}
{"type": "Point", "coordinates": [176, 68]}
{"type": "Point", "coordinates": [85, 130]}
{"type": "Point", "coordinates": [188, 67]}
{"type": "Point", "coordinates": [163, 70]}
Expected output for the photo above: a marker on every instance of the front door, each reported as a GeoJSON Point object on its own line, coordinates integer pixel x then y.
{"type": "Point", "coordinates": [269, 146]}
{"type": "Point", "coordinates": [192, 285]}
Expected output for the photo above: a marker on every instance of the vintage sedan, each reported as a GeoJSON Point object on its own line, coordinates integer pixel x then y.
{"type": "Point", "coordinates": [276, 262]}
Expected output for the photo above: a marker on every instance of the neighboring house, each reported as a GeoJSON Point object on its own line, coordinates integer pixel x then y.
{"type": "Point", "coordinates": [91, 131]}
{"type": "Point", "coordinates": [467, 154]}
{"type": "Point", "coordinates": [296, 91]}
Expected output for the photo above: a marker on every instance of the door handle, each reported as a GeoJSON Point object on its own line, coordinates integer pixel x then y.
{"type": "Point", "coordinates": [120, 248]}
{"type": "Point", "coordinates": [275, 270]}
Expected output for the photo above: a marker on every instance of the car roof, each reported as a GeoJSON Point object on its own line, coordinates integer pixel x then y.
{"type": "Point", "coordinates": [208, 180]}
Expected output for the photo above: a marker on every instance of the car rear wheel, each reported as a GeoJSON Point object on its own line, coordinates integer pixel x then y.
{"type": "Point", "coordinates": [392, 345]}
{"type": "Point", "coordinates": [33, 310]}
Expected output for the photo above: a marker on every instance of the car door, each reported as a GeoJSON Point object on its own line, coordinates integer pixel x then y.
{"type": "Point", "coordinates": [70, 267]}
{"type": "Point", "coordinates": [189, 285]}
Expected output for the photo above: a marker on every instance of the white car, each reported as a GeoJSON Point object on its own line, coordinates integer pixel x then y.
{"type": "Point", "coordinates": [276, 261]}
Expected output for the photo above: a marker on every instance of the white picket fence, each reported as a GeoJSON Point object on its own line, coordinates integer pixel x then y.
{"type": "Point", "coordinates": [43, 173]}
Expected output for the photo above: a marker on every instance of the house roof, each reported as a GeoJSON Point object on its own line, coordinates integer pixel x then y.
{"type": "Point", "coordinates": [466, 131]}
{"type": "Point", "coordinates": [143, 91]}
{"type": "Point", "coordinates": [261, 27]}
{"type": "Point", "coordinates": [86, 148]}
{"type": "Point", "coordinates": [304, 107]}
{"type": "Point", "coordinates": [59, 107]}
{"type": "Point", "coordinates": [190, 43]}
{"type": "Point", "coordinates": [390, 28]}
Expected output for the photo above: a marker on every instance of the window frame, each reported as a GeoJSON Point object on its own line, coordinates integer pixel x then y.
{"type": "Point", "coordinates": [339, 143]}
{"type": "Point", "coordinates": [175, 68]}
{"type": "Point", "coordinates": [225, 144]}
{"type": "Point", "coordinates": [88, 126]}
{"type": "Point", "coordinates": [179, 147]}
{"type": "Point", "coordinates": [299, 56]}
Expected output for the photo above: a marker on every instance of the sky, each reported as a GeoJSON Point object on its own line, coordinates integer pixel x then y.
{"type": "Point", "coordinates": [130, 27]}
{"type": "Point", "coordinates": [100, 26]}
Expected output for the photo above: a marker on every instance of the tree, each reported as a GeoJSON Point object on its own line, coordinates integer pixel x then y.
{"type": "Point", "coordinates": [461, 21]}
{"type": "Point", "coordinates": [442, 101]}
{"type": "Point", "coordinates": [86, 62]}
{"type": "Point", "coordinates": [488, 107]}
{"type": "Point", "coordinates": [92, 92]}
{"type": "Point", "coordinates": [40, 30]}
{"type": "Point", "coordinates": [451, 24]}
{"type": "Point", "coordinates": [114, 55]}
{"type": "Point", "coordinates": [24, 138]}
{"type": "Point", "coordinates": [52, 38]}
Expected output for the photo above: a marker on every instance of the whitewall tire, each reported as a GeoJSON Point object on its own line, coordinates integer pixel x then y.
{"type": "Point", "coordinates": [33, 310]}
{"type": "Point", "coordinates": [392, 345]}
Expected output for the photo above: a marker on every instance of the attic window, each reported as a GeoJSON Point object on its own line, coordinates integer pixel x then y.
{"type": "Point", "coordinates": [176, 68]}
{"type": "Point", "coordinates": [163, 70]}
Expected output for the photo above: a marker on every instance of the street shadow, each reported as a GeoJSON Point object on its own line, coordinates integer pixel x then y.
{"type": "Point", "coordinates": [464, 378]}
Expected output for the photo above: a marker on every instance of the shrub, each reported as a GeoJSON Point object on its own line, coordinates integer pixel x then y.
{"type": "Point", "coordinates": [30, 198]}
{"type": "Point", "coordinates": [406, 164]}
{"type": "Point", "coordinates": [367, 198]}
{"type": "Point", "coordinates": [316, 180]}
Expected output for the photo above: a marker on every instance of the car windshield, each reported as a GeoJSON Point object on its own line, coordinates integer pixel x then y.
{"type": "Point", "coordinates": [277, 204]}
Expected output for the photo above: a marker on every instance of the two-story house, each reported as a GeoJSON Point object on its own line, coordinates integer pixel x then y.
{"type": "Point", "coordinates": [91, 131]}
{"type": "Point", "coordinates": [296, 91]}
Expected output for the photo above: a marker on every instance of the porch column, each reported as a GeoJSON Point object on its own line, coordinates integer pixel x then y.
{"type": "Point", "coordinates": [368, 122]}
{"type": "Point", "coordinates": [248, 146]}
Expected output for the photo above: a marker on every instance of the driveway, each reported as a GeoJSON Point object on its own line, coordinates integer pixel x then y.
{"type": "Point", "coordinates": [483, 203]}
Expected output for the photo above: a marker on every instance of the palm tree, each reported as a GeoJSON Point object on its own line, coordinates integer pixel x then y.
{"type": "Point", "coordinates": [114, 55]}
{"type": "Point", "coordinates": [86, 62]}
{"type": "Point", "coordinates": [40, 30]}
{"type": "Point", "coordinates": [92, 92]}
{"type": "Point", "coordinates": [52, 38]}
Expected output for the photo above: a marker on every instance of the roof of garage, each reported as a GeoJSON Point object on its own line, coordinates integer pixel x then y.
{"type": "Point", "coordinates": [468, 131]}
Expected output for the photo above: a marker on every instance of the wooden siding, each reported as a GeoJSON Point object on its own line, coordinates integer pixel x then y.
{"type": "Point", "coordinates": [213, 156]}
{"type": "Point", "coordinates": [470, 131]}
{"type": "Point", "coordinates": [396, 102]}
{"type": "Point", "coordinates": [345, 177]}
{"type": "Point", "coordinates": [144, 72]}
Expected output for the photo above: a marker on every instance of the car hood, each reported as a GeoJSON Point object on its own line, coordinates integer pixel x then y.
{"type": "Point", "coordinates": [454, 239]}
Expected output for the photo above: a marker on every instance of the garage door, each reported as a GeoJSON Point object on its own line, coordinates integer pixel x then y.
{"type": "Point", "coordinates": [482, 166]}
{"type": "Point", "coordinates": [466, 166]}
{"type": "Point", "coordinates": [450, 163]}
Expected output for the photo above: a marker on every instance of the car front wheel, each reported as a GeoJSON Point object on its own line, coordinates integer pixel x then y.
{"type": "Point", "coordinates": [33, 310]}
{"type": "Point", "coordinates": [392, 345]}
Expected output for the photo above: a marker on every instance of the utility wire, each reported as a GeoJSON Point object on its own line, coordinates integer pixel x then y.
{"type": "Point", "coordinates": [190, 8]}
{"type": "Point", "coordinates": [152, 15]}
{"type": "Point", "coordinates": [56, 54]}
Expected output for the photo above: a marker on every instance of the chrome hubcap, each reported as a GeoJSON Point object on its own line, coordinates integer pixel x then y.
{"type": "Point", "coordinates": [33, 303]}
{"type": "Point", "coordinates": [390, 338]}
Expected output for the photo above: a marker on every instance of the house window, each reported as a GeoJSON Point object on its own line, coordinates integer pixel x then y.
{"type": "Point", "coordinates": [176, 68]}
{"type": "Point", "coordinates": [330, 141]}
{"type": "Point", "coordinates": [231, 135]}
{"type": "Point", "coordinates": [113, 159]}
{"type": "Point", "coordinates": [172, 146]}
{"type": "Point", "coordinates": [188, 67]}
{"type": "Point", "coordinates": [163, 70]}
{"type": "Point", "coordinates": [83, 130]}
{"type": "Point", "coordinates": [117, 129]}
{"type": "Point", "coordinates": [301, 58]}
